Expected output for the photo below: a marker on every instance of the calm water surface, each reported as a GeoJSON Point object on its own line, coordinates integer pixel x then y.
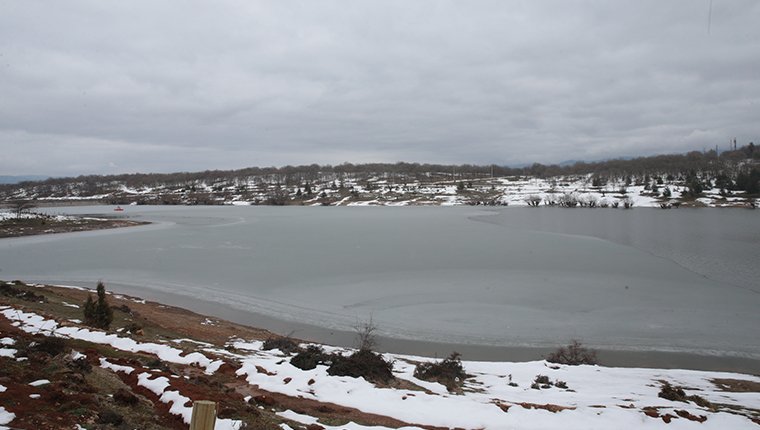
{"type": "Point", "coordinates": [646, 279]}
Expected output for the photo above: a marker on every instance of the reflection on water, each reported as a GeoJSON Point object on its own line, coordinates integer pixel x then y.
{"type": "Point", "coordinates": [684, 280]}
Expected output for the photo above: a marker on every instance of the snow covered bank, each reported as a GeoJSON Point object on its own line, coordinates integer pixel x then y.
{"type": "Point", "coordinates": [496, 395]}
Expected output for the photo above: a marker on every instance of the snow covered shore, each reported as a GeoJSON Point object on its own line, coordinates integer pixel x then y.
{"type": "Point", "coordinates": [495, 396]}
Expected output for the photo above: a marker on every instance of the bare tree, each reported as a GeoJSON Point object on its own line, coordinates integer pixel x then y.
{"type": "Point", "coordinates": [366, 335]}
{"type": "Point", "coordinates": [568, 200]}
{"type": "Point", "coordinates": [20, 206]}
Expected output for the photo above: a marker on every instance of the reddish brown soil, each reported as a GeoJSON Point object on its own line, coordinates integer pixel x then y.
{"type": "Point", "coordinates": [159, 321]}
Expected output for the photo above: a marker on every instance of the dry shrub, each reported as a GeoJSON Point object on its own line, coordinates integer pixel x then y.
{"type": "Point", "coordinates": [573, 354]}
{"type": "Point", "coordinates": [285, 344]}
{"type": "Point", "coordinates": [310, 357]}
{"type": "Point", "coordinates": [125, 397]}
{"type": "Point", "coordinates": [111, 417]}
{"type": "Point", "coordinates": [448, 372]}
{"type": "Point", "coordinates": [677, 394]}
{"type": "Point", "coordinates": [49, 345]}
{"type": "Point", "coordinates": [363, 363]}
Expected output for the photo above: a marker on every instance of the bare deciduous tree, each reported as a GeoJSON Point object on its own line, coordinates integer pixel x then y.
{"type": "Point", "coordinates": [366, 335]}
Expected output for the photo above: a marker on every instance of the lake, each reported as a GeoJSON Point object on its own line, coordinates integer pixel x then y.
{"type": "Point", "coordinates": [685, 280]}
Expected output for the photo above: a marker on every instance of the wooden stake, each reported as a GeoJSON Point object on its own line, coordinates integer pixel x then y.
{"type": "Point", "coordinates": [204, 415]}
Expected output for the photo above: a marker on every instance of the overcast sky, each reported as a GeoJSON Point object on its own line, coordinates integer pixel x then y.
{"type": "Point", "coordinates": [139, 86]}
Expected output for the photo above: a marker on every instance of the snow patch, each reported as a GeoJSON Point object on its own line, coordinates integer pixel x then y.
{"type": "Point", "coordinates": [115, 367]}
{"type": "Point", "coordinates": [157, 385]}
{"type": "Point", "coordinates": [5, 416]}
{"type": "Point", "coordinates": [33, 323]}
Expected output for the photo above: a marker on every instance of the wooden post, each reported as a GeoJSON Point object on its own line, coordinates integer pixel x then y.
{"type": "Point", "coordinates": [204, 415]}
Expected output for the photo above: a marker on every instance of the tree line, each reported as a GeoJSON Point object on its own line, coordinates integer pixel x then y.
{"type": "Point", "coordinates": [738, 167]}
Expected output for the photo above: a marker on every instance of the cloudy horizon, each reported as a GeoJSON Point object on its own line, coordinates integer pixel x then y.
{"type": "Point", "coordinates": [94, 87]}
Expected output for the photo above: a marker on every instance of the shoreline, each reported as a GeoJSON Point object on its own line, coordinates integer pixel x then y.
{"type": "Point", "coordinates": [271, 326]}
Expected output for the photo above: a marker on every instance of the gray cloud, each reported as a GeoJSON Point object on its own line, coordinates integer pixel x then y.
{"type": "Point", "coordinates": [107, 87]}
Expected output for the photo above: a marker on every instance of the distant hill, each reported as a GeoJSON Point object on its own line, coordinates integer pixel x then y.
{"type": "Point", "coordinates": [657, 177]}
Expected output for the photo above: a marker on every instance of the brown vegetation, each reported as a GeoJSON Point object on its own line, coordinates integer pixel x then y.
{"type": "Point", "coordinates": [573, 354]}
{"type": "Point", "coordinates": [15, 227]}
{"type": "Point", "coordinates": [447, 372]}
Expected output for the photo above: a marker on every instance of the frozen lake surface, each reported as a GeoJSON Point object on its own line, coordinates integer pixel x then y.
{"type": "Point", "coordinates": [684, 280]}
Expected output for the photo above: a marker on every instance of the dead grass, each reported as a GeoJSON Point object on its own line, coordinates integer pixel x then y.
{"type": "Point", "coordinates": [737, 385]}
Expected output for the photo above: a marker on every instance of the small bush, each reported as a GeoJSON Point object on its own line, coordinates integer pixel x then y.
{"type": "Point", "coordinates": [49, 345]}
{"type": "Point", "coordinates": [285, 344]}
{"type": "Point", "coordinates": [310, 357]}
{"type": "Point", "coordinates": [677, 394]}
{"type": "Point", "coordinates": [81, 365]}
{"type": "Point", "coordinates": [125, 397]}
{"type": "Point", "coordinates": [110, 417]}
{"type": "Point", "coordinates": [363, 363]}
{"type": "Point", "coordinates": [98, 314]}
{"type": "Point", "coordinates": [512, 383]}
{"type": "Point", "coordinates": [133, 328]}
{"type": "Point", "coordinates": [573, 354]}
{"type": "Point", "coordinates": [156, 363]}
{"type": "Point", "coordinates": [9, 290]}
{"type": "Point", "coordinates": [541, 381]}
{"type": "Point", "coordinates": [669, 392]}
{"type": "Point", "coordinates": [448, 372]}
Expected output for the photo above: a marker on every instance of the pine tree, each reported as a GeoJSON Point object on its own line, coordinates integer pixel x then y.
{"type": "Point", "coordinates": [89, 311]}
{"type": "Point", "coordinates": [103, 312]}
{"type": "Point", "coordinates": [98, 313]}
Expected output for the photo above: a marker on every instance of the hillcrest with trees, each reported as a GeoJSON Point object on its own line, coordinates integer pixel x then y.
{"type": "Point", "coordinates": [685, 178]}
